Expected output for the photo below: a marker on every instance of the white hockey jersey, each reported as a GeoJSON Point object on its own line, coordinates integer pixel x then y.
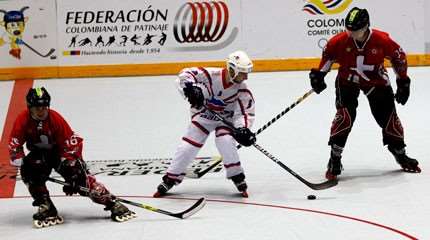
{"type": "Point", "coordinates": [233, 101]}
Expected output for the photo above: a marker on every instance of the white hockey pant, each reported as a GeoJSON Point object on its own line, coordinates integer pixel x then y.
{"type": "Point", "coordinates": [197, 133]}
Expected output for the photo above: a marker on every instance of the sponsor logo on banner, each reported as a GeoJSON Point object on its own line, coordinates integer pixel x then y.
{"type": "Point", "coordinates": [207, 22]}
{"type": "Point", "coordinates": [325, 19]}
{"type": "Point", "coordinates": [328, 7]}
{"type": "Point", "coordinates": [190, 26]}
{"type": "Point", "coordinates": [14, 23]}
{"type": "Point", "coordinates": [116, 32]}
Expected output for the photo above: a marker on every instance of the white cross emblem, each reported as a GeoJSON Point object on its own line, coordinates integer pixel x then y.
{"type": "Point", "coordinates": [361, 67]}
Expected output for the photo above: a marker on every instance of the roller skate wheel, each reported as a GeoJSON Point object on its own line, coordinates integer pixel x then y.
{"type": "Point", "coordinates": [37, 224]}
{"type": "Point", "coordinates": [52, 222]}
{"type": "Point", "coordinates": [119, 218]}
{"type": "Point", "coordinates": [59, 220]}
{"type": "Point", "coordinates": [45, 223]}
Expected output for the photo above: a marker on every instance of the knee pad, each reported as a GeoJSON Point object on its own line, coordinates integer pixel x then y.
{"type": "Point", "coordinates": [35, 170]}
{"type": "Point", "coordinates": [394, 127]}
{"type": "Point", "coordinates": [342, 122]}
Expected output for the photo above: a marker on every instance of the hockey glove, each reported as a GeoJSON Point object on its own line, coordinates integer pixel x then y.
{"type": "Point", "coordinates": [74, 174]}
{"type": "Point", "coordinates": [317, 80]}
{"type": "Point", "coordinates": [403, 90]}
{"type": "Point", "coordinates": [194, 95]}
{"type": "Point", "coordinates": [244, 136]}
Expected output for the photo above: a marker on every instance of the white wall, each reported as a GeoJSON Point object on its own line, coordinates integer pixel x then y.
{"type": "Point", "coordinates": [427, 26]}
{"type": "Point", "coordinates": [270, 29]}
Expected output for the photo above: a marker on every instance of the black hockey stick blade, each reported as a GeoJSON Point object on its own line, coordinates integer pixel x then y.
{"type": "Point", "coordinates": [197, 206]}
{"type": "Point", "coordinates": [324, 185]}
{"type": "Point", "coordinates": [51, 51]}
{"type": "Point", "coordinates": [314, 186]}
{"type": "Point", "coordinates": [192, 210]}
{"type": "Point", "coordinates": [184, 214]}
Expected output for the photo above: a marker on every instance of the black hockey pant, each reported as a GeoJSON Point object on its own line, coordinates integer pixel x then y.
{"type": "Point", "coordinates": [381, 102]}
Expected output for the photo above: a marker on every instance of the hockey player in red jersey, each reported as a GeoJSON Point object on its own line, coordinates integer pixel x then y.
{"type": "Point", "coordinates": [53, 145]}
{"type": "Point", "coordinates": [360, 53]}
{"type": "Point", "coordinates": [224, 91]}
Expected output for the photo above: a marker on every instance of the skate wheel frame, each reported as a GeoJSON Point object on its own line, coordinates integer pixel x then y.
{"type": "Point", "coordinates": [124, 217]}
{"type": "Point", "coordinates": [51, 221]}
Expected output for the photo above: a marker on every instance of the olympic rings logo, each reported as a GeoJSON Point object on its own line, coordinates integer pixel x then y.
{"type": "Point", "coordinates": [201, 22]}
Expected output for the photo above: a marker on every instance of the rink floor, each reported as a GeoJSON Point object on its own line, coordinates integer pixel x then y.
{"type": "Point", "coordinates": [124, 120]}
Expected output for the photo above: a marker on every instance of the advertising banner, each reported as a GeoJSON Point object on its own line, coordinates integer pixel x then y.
{"type": "Point", "coordinates": [79, 38]}
{"type": "Point", "coordinates": [137, 32]}
{"type": "Point", "coordinates": [28, 33]}
{"type": "Point", "coordinates": [300, 29]}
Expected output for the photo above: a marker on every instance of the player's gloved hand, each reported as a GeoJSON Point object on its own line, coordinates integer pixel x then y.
{"type": "Point", "coordinates": [17, 155]}
{"type": "Point", "coordinates": [403, 90]}
{"type": "Point", "coordinates": [16, 162]}
{"type": "Point", "coordinates": [73, 173]}
{"type": "Point", "coordinates": [244, 136]}
{"type": "Point", "coordinates": [317, 80]}
{"type": "Point", "coordinates": [194, 95]}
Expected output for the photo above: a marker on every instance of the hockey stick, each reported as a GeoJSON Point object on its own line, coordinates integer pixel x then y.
{"type": "Point", "coordinates": [182, 215]}
{"type": "Point", "coordinates": [314, 186]}
{"type": "Point", "coordinates": [299, 100]}
{"type": "Point", "coordinates": [51, 51]}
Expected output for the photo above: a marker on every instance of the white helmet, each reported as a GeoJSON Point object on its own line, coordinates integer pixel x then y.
{"type": "Point", "coordinates": [239, 62]}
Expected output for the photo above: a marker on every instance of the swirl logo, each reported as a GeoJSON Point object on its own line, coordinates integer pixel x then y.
{"type": "Point", "coordinates": [201, 22]}
{"type": "Point", "coordinates": [328, 7]}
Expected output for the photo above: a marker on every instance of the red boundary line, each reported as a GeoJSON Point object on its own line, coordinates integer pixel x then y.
{"type": "Point", "coordinates": [406, 235]}
{"type": "Point", "coordinates": [16, 105]}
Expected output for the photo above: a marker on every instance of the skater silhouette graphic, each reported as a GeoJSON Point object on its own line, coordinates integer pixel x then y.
{"type": "Point", "coordinates": [148, 39]}
{"type": "Point", "coordinates": [134, 40]}
{"type": "Point", "coordinates": [124, 40]}
{"type": "Point", "coordinates": [162, 39]}
{"type": "Point", "coordinates": [110, 41]}
{"type": "Point", "coordinates": [73, 41]}
{"type": "Point", "coordinates": [85, 42]}
{"type": "Point", "coordinates": [100, 41]}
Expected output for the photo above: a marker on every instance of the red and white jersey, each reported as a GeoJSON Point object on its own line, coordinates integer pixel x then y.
{"type": "Point", "coordinates": [232, 100]}
{"type": "Point", "coordinates": [52, 134]}
{"type": "Point", "coordinates": [364, 64]}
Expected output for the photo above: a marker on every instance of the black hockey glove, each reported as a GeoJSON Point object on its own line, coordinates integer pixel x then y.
{"type": "Point", "coordinates": [74, 173]}
{"type": "Point", "coordinates": [194, 95]}
{"type": "Point", "coordinates": [403, 90]}
{"type": "Point", "coordinates": [317, 80]}
{"type": "Point", "coordinates": [244, 136]}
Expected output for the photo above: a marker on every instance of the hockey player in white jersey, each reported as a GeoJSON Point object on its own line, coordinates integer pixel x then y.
{"type": "Point", "coordinates": [223, 91]}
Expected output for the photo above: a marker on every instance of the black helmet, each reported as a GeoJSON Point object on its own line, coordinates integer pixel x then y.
{"type": "Point", "coordinates": [357, 19]}
{"type": "Point", "coordinates": [38, 97]}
